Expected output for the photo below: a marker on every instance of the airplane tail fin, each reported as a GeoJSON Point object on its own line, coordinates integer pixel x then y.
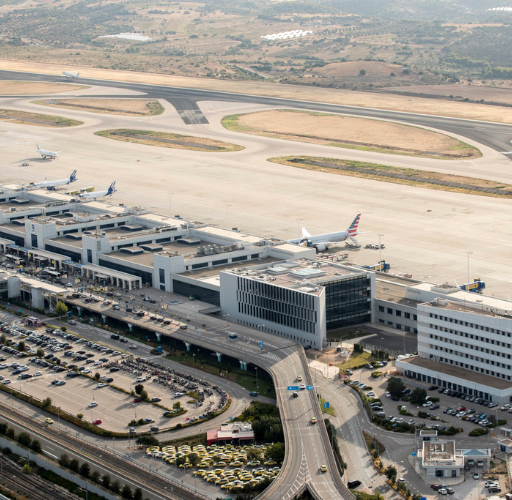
{"type": "Point", "coordinates": [112, 189]}
{"type": "Point", "coordinates": [38, 146]}
{"type": "Point", "coordinates": [352, 230]}
{"type": "Point", "coordinates": [73, 178]}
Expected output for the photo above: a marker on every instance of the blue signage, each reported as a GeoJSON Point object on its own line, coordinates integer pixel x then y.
{"type": "Point", "coordinates": [261, 345]}
{"type": "Point", "coordinates": [309, 387]}
{"type": "Point", "coordinates": [326, 405]}
{"type": "Point", "coordinates": [293, 387]}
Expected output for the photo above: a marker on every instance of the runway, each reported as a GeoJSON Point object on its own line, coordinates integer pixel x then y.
{"type": "Point", "coordinates": [494, 135]}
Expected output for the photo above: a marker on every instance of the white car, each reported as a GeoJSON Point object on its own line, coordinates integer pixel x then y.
{"type": "Point", "coordinates": [132, 346]}
{"type": "Point", "coordinates": [100, 385]}
{"type": "Point", "coordinates": [427, 404]}
{"type": "Point", "coordinates": [140, 379]}
{"type": "Point", "coordinates": [85, 370]}
{"type": "Point", "coordinates": [370, 394]}
{"type": "Point", "coordinates": [93, 404]}
{"type": "Point", "coordinates": [388, 394]}
{"type": "Point", "coordinates": [476, 475]}
{"type": "Point", "coordinates": [38, 374]}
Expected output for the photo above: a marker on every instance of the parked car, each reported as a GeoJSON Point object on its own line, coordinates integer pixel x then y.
{"type": "Point", "coordinates": [97, 422]}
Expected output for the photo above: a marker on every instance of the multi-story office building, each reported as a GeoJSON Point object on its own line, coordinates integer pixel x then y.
{"type": "Point", "coordinates": [464, 347]}
{"type": "Point", "coordinates": [300, 300]}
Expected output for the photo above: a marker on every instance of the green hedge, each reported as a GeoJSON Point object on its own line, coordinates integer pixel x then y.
{"type": "Point", "coordinates": [479, 432]}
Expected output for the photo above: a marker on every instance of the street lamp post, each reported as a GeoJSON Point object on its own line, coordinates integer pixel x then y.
{"type": "Point", "coordinates": [380, 256]}
{"type": "Point", "coordinates": [15, 488]}
{"type": "Point", "coordinates": [468, 254]}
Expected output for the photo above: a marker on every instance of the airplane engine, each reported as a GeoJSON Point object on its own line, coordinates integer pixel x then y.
{"type": "Point", "coordinates": [320, 248]}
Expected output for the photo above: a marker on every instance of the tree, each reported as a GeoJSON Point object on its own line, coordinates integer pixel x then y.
{"type": "Point", "coordinates": [391, 473]}
{"type": "Point", "coordinates": [21, 346]}
{"type": "Point", "coordinates": [143, 395]}
{"type": "Point", "coordinates": [47, 402]}
{"type": "Point", "coordinates": [95, 476]}
{"type": "Point", "coordinates": [362, 72]}
{"type": "Point", "coordinates": [276, 452]}
{"type": "Point", "coordinates": [127, 492]}
{"type": "Point", "coordinates": [24, 439]}
{"type": "Point", "coordinates": [36, 446]}
{"type": "Point", "coordinates": [138, 389]}
{"type": "Point", "coordinates": [97, 376]}
{"type": "Point", "coordinates": [11, 433]}
{"type": "Point", "coordinates": [39, 353]}
{"type": "Point", "coordinates": [79, 416]}
{"type": "Point", "coordinates": [3, 338]}
{"type": "Point", "coordinates": [85, 470]}
{"type": "Point", "coordinates": [253, 454]}
{"type": "Point", "coordinates": [177, 405]}
{"type": "Point", "coordinates": [64, 460]}
{"type": "Point", "coordinates": [147, 440]}
{"type": "Point", "coordinates": [182, 460]}
{"type": "Point", "coordinates": [138, 494]}
{"type": "Point", "coordinates": [74, 465]}
{"type": "Point", "coordinates": [105, 481]}
{"type": "Point", "coordinates": [419, 396]}
{"type": "Point", "coordinates": [115, 487]}
{"type": "Point", "coordinates": [395, 387]}
{"type": "Point", "coordinates": [61, 309]}
{"type": "Point", "coordinates": [194, 459]}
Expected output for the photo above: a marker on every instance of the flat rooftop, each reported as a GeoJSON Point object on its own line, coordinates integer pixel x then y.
{"type": "Point", "coordinates": [392, 292]}
{"type": "Point", "coordinates": [456, 371]}
{"type": "Point", "coordinates": [19, 206]}
{"type": "Point", "coordinates": [67, 241]}
{"type": "Point", "coordinates": [14, 227]}
{"type": "Point", "coordinates": [457, 306]}
{"type": "Point", "coordinates": [144, 259]}
{"type": "Point", "coordinates": [209, 272]}
{"type": "Point", "coordinates": [303, 275]}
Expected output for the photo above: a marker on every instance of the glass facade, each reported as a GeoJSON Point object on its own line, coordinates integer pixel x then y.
{"type": "Point", "coordinates": [346, 302]}
{"type": "Point", "coordinates": [198, 292]}
{"type": "Point", "coordinates": [74, 256]}
{"type": "Point", "coordinates": [277, 304]}
{"type": "Point", "coordinates": [145, 276]}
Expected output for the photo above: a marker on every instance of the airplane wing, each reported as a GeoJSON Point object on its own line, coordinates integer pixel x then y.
{"type": "Point", "coordinates": [305, 234]}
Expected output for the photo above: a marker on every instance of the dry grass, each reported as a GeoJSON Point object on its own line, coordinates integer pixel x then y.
{"type": "Point", "coordinates": [125, 107]}
{"type": "Point", "coordinates": [333, 96]}
{"type": "Point", "coordinates": [29, 88]}
{"type": "Point", "coordinates": [168, 140]}
{"type": "Point", "coordinates": [26, 118]}
{"type": "Point", "coordinates": [351, 132]}
{"type": "Point", "coordinates": [375, 172]}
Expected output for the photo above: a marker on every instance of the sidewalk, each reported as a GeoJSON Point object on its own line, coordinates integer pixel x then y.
{"type": "Point", "coordinates": [325, 370]}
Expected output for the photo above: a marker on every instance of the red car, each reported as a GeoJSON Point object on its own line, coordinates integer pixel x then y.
{"type": "Point", "coordinates": [97, 422]}
{"type": "Point", "coordinates": [461, 408]}
{"type": "Point", "coordinates": [137, 400]}
{"type": "Point", "coordinates": [435, 486]}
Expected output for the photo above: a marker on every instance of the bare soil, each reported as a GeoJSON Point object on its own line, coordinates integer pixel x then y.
{"type": "Point", "coordinates": [329, 95]}
{"type": "Point", "coordinates": [352, 68]}
{"type": "Point", "coordinates": [355, 132]}
{"type": "Point", "coordinates": [28, 88]}
{"type": "Point", "coordinates": [126, 107]}
{"type": "Point", "coordinates": [26, 118]}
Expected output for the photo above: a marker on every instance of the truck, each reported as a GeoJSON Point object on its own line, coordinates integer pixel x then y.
{"type": "Point", "coordinates": [382, 266]}
{"type": "Point", "coordinates": [476, 287]}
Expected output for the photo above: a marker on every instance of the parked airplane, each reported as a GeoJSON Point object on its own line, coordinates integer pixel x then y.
{"type": "Point", "coordinates": [323, 241]}
{"type": "Point", "coordinates": [68, 74]}
{"type": "Point", "coordinates": [47, 154]}
{"type": "Point", "coordinates": [51, 185]}
{"type": "Point", "coordinates": [99, 194]}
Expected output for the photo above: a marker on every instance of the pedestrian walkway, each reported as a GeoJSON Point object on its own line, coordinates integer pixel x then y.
{"type": "Point", "coordinates": [326, 370]}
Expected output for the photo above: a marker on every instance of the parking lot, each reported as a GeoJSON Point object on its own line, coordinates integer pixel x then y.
{"type": "Point", "coordinates": [97, 401]}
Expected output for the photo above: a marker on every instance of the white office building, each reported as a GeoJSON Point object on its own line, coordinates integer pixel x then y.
{"type": "Point", "coordinates": [464, 347]}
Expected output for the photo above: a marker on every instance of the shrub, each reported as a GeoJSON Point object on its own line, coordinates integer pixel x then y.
{"type": "Point", "coordinates": [115, 487]}
{"type": "Point", "coordinates": [36, 446]}
{"type": "Point", "coordinates": [479, 432]}
{"type": "Point", "coordinates": [64, 460]}
{"type": "Point", "coordinates": [24, 439]}
{"type": "Point", "coordinates": [105, 481]}
{"type": "Point", "coordinates": [127, 492]}
{"type": "Point", "coordinates": [74, 465]}
{"type": "Point", "coordinates": [85, 470]}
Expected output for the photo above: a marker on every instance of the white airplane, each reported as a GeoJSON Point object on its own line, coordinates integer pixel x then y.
{"type": "Point", "coordinates": [68, 74]}
{"type": "Point", "coordinates": [323, 241]}
{"type": "Point", "coordinates": [51, 185]}
{"type": "Point", "coordinates": [47, 154]}
{"type": "Point", "coordinates": [99, 194]}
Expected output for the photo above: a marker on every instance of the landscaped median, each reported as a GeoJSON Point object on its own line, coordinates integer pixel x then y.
{"type": "Point", "coordinates": [26, 118]}
{"type": "Point", "coordinates": [168, 140]}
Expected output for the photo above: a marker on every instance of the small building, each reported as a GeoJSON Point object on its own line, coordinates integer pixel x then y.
{"type": "Point", "coordinates": [234, 433]}
{"type": "Point", "coordinates": [439, 458]}
{"type": "Point", "coordinates": [32, 321]}
{"type": "Point", "coordinates": [505, 446]}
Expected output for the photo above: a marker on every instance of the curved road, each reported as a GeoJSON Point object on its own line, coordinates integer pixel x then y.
{"type": "Point", "coordinates": [494, 135]}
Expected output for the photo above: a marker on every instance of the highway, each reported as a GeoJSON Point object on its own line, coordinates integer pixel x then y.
{"type": "Point", "coordinates": [307, 445]}
{"type": "Point", "coordinates": [494, 135]}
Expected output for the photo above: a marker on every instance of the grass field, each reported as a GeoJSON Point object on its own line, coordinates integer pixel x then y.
{"type": "Point", "coordinates": [25, 118]}
{"type": "Point", "coordinates": [399, 175]}
{"type": "Point", "coordinates": [329, 411]}
{"type": "Point", "coordinates": [125, 107]}
{"type": "Point", "coordinates": [357, 358]}
{"type": "Point", "coordinates": [350, 132]}
{"type": "Point", "coordinates": [168, 140]}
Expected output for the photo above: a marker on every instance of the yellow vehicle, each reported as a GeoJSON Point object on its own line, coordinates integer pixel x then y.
{"type": "Point", "coordinates": [203, 464]}
{"type": "Point", "coordinates": [323, 468]}
{"type": "Point", "coordinates": [245, 479]}
{"type": "Point", "coordinates": [48, 420]}
{"type": "Point", "coordinates": [212, 479]}
{"type": "Point", "coordinates": [236, 464]}
{"type": "Point", "coordinates": [221, 481]}
{"type": "Point", "coordinates": [270, 462]}
{"type": "Point", "coordinates": [299, 378]}
{"type": "Point", "coordinates": [223, 464]}
{"type": "Point", "coordinates": [218, 471]}
{"type": "Point", "coordinates": [313, 420]}
{"type": "Point", "coordinates": [199, 473]}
